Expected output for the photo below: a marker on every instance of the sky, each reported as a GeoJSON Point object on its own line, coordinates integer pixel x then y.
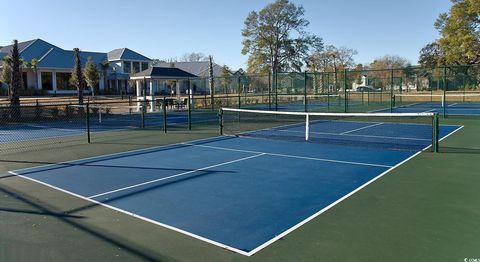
{"type": "Point", "coordinates": [165, 29]}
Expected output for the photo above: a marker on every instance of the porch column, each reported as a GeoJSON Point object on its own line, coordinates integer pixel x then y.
{"type": "Point", "coordinates": [152, 96]}
{"type": "Point", "coordinates": [139, 88]}
{"type": "Point", "coordinates": [39, 79]}
{"type": "Point", "coordinates": [54, 81]}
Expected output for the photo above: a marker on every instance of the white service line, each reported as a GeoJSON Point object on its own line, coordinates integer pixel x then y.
{"type": "Point", "coordinates": [365, 127]}
{"type": "Point", "coordinates": [291, 156]}
{"type": "Point", "coordinates": [177, 175]}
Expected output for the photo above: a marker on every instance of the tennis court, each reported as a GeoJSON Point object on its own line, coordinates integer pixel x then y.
{"type": "Point", "coordinates": [98, 122]}
{"type": "Point", "coordinates": [451, 104]}
{"type": "Point", "coordinates": [244, 192]}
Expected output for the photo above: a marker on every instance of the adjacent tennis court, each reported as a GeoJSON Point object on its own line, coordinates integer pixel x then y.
{"type": "Point", "coordinates": [244, 192]}
{"type": "Point", "coordinates": [451, 104]}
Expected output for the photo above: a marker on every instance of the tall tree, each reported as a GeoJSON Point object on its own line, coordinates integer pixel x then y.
{"type": "Point", "coordinates": [77, 76]}
{"type": "Point", "coordinates": [193, 57]}
{"type": "Point", "coordinates": [104, 66]}
{"type": "Point", "coordinates": [34, 64]}
{"type": "Point", "coordinates": [382, 69]}
{"type": "Point", "coordinates": [7, 72]}
{"type": "Point", "coordinates": [334, 59]}
{"type": "Point", "coordinates": [92, 75]}
{"type": "Point", "coordinates": [225, 77]}
{"type": "Point", "coordinates": [275, 38]}
{"type": "Point", "coordinates": [460, 32]}
{"type": "Point", "coordinates": [16, 83]}
{"type": "Point", "coordinates": [431, 55]}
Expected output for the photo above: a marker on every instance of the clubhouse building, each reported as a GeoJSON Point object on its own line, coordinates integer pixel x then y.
{"type": "Point", "coordinates": [52, 74]}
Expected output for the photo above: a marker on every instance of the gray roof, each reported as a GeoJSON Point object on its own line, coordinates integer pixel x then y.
{"type": "Point", "coordinates": [164, 72]}
{"type": "Point", "coordinates": [51, 56]}
{"type": "Point", "coordinates": [196, 68]}
{"type": "Point", "coordinates": [126, 54]}
{"type": "Point", "coordinates": [59, 58]}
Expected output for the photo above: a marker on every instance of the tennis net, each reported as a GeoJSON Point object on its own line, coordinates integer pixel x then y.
{"type": "Point", "coordinates": [402, 131]}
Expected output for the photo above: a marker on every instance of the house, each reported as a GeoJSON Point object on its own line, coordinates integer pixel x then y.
{"type": "Point", "coordinates": [55, 65]}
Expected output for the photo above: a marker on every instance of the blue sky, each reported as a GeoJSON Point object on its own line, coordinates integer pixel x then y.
{"type": "Point", "coordinates": [165, 29]}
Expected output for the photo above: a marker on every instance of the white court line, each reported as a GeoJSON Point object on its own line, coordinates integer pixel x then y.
{"type": "Point", "coordinates": [389, 137]}
{"type": "Point", "coordinates": [177, 175]}
{"type": "Point", "coordinates": [290, 156]}
{"type": "Point", "coordinates": [357, 129]}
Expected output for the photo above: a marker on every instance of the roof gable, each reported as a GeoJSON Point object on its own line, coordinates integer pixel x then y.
{"type": "Point", "coordinates": [126, 54]}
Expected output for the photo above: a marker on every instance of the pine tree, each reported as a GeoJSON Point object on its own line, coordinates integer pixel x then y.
{"type": "Point", "coordinates": [16, 82]}
{"type": "Point", "coordinates": [92, 75]}
{"type": "Point", "coordinates": [77, 76]}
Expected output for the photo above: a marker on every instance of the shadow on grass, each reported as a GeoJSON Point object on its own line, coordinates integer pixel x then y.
{"type": "Point", "coordinates": [459, 150]}
{"type": "Point", "coordinates": [72, 220]}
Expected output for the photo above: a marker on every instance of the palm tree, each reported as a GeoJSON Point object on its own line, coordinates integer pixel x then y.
{"type": "Point", "coordinates": [104, 66]}
{"type": "Point", "coordinates": [34, 65]}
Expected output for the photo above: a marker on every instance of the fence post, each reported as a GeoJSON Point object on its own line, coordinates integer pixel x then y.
{"type": "Point", "coordinates": [444, 91]}
{"type": "Point", "coordinates": [305, 92]}
{"type": "Point", "coordinates": [391, 90]}
{"type": "Point", "coordinates": [189, 102]}
{"type": "Point", "coordinates": [164, 108]}
{"type": "Point", "coordinates": [238, 93]}
{"type": "Point", "coordinates": [87, 119]}
{"type": "Point", "coordinates": [345, 89]}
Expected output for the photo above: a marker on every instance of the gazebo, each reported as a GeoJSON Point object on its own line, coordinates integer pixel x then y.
{"type": "Point", "coordinates": [159, 81]}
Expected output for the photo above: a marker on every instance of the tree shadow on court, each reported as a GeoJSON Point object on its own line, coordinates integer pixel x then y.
{"type": "Point", "coordinates": [145, 189]}
{"type": "Point", "coordinates": [38, 208]}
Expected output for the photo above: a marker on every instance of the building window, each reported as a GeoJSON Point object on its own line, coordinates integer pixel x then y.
{"type": "Point", "coordinates": [136, 67]}
{"type": "Point", "coordinates": [127, 67]}
{"type": "Point", "coordinates": [144, 66]}
{"type": "Point", "coordinates": [47, 83]}
{"type": "Point", "coordinates": [63, 81]}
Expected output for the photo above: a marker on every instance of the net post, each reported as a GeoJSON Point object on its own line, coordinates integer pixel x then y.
{"type": "Point", "coordinates": [391, 91]}
{"type": "Point", "coordinates": [189, 104]}
{"type": "Point", "coordinates": [307, 126]}
{"type": "Point", "coordinates": [220, 121]}
{"type": "Point", "coordinates": [87, 119]}
{"type": "Point", "coordinates": [305, 92]}
{"type": "Point", "coordinates": [164, 109]}
{"type": "Point", "coordinates": [345, 89]}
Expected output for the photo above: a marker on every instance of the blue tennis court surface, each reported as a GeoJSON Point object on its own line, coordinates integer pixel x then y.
{"type": "Point", "coordinates": [237, 193]}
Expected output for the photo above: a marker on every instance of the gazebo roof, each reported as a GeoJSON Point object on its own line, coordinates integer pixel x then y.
{"type": "Point", "coordinates": [163, 73]}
